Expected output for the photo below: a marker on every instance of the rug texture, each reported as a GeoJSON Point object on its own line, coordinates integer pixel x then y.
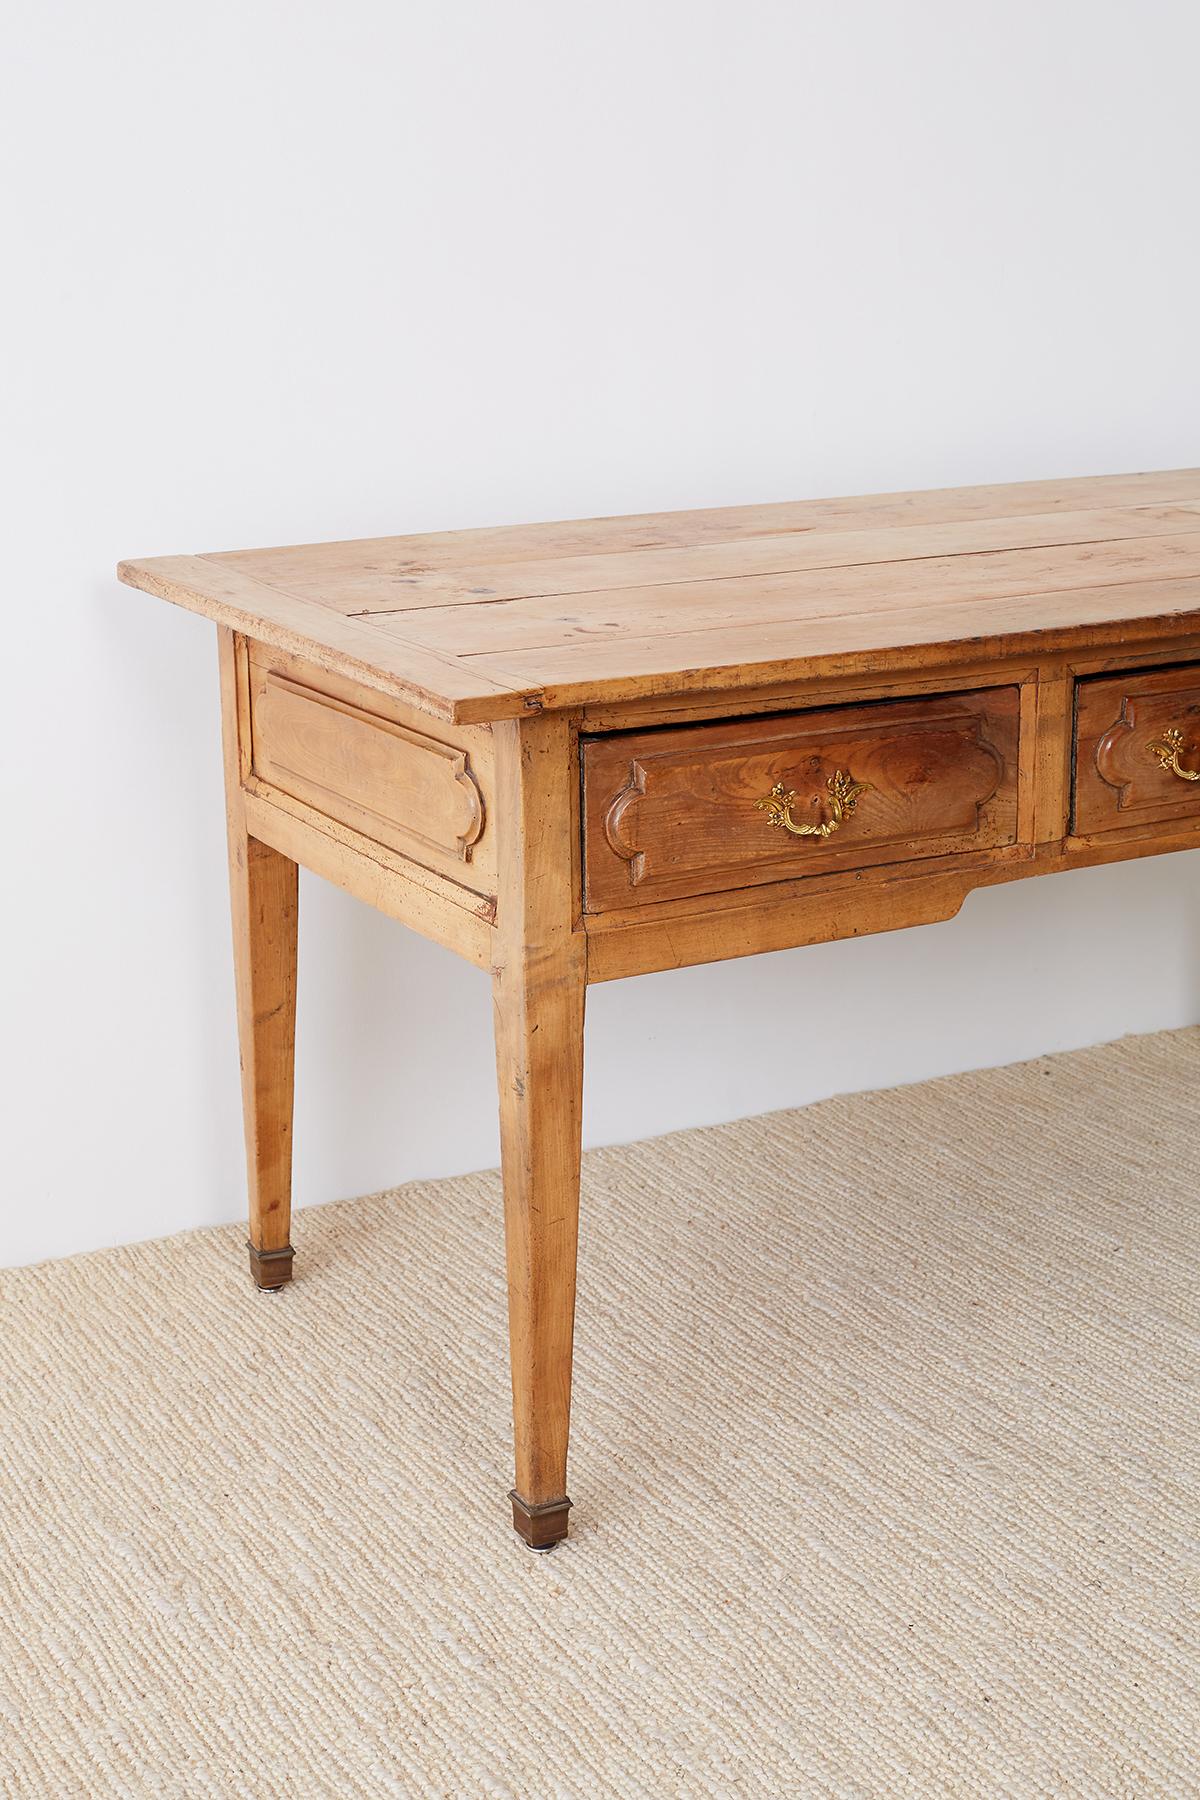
{"type": "Point", "coordinates": [885, 1466]}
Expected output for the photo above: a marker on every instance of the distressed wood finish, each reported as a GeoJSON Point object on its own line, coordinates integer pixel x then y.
{"type": "Point", "coordinates": [404, 788]}
{"type": "Point", "coordinates": [263, 887]}
{"type": "Point", "coordinates": [675, 813]}
{"type": "Point", "coordinates": [487, 625]}
{"type": "Point", "coordinates": [1119, 779]}
{"type": "Point", "coordinates": [544, 747]}
{"type": "Point", "coordinates": [538, 979]}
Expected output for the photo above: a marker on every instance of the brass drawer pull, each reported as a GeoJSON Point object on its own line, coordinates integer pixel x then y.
{"type": "Point", "coordinates": [843, 798]}
{"type": "Point", "coordinates": [1167, 749]}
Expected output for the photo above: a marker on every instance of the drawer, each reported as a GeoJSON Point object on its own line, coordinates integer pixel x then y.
{"type": "Point", "coordinates": [696, 809]}
{"type": "Point", "coordinates": [1137, 749]}
{"type": "Point", "coordinates": [387, 779]}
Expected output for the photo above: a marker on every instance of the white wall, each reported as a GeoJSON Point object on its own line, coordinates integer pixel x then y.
{"type": "Point", "coordinates": [280, 272]}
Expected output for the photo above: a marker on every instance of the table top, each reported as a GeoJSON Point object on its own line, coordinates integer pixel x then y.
{"type": "Point", "coordinates": [494, 623]}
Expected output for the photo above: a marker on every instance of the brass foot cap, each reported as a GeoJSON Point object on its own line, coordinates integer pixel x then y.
{"type": "Point", "coordinates": [541, 1526]}
{"type": "Point", "coordinates": [271, 1268]}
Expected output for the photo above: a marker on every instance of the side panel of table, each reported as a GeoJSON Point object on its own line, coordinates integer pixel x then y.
{"type": "Point", "coordinates": [471, 837]}
{"type": "Point", "coordinates": [321, 756]}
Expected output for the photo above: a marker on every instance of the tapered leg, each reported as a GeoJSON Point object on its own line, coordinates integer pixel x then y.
{"type": "Point", "coordinates": [538, 989]}
{"type": "Point", "coordinates": [263, 887]}
{"type": "Point", "coordinates": [539, 1066]}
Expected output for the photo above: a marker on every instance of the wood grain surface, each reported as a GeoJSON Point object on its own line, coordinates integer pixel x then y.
{"type": "Point", "coordinates": [670, 813]}
{"type": "Point", "coordinates": [1119, 781]}
{"type": "Point", "coordinates": [578, 752]}
{"type": "Point", "coordinates": [490, 624]}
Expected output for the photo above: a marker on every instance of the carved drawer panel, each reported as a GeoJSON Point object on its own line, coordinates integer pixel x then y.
{"type": "Point", "coordinates": [403, 787]}
{"type": "Point", "coordinates": [1137, 749]}
{"type": "Point", "coordinates": [700, 808]}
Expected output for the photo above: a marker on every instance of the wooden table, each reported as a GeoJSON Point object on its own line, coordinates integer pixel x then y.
{"type": "Point", "coordinates": [578, 751]}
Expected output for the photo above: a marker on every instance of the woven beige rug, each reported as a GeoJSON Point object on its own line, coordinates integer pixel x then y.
{"type": "Point", "coordinates": [885, 1461]}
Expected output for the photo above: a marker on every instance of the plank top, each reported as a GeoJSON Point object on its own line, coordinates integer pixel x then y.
{"type": "Point", "coordinates": [487, 624]}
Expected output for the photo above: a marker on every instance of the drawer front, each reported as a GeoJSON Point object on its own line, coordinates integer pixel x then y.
{"type": "Point", "coordinates": [702, 808]}
{"type": "Point", "coordinates": [1137, 749]}
{"type": "Point", "coordinates": [403, 787]}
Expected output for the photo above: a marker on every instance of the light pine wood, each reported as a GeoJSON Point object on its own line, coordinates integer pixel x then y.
{"type": "Point", "coordinates": [538, 983]}
{"type": "Point", "coordinates": [1048, 758]}
{"type": "Point", "coordinates": [745, 652]}
{"type": "Point", "coordinates": [346, 647]}
{"type": "Point", "coordinates": [393, 789]}
{"type": "Point", "coordinates": [561, 616]}
{"type": "Point", "coordinates": [328, 570]}
{"type": "Point", "coordinates": [543, 746]}
{"type": "Point", "coordinates": [407, 586]}
{"type": "Point", "coordinates": [440, 910]}
{"type": "Point", "coordinates": [263, 888]}
{"type": "Point", "coordinates": [407, 789]}
{"type": "Point", "coordinates": [964, 585]}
